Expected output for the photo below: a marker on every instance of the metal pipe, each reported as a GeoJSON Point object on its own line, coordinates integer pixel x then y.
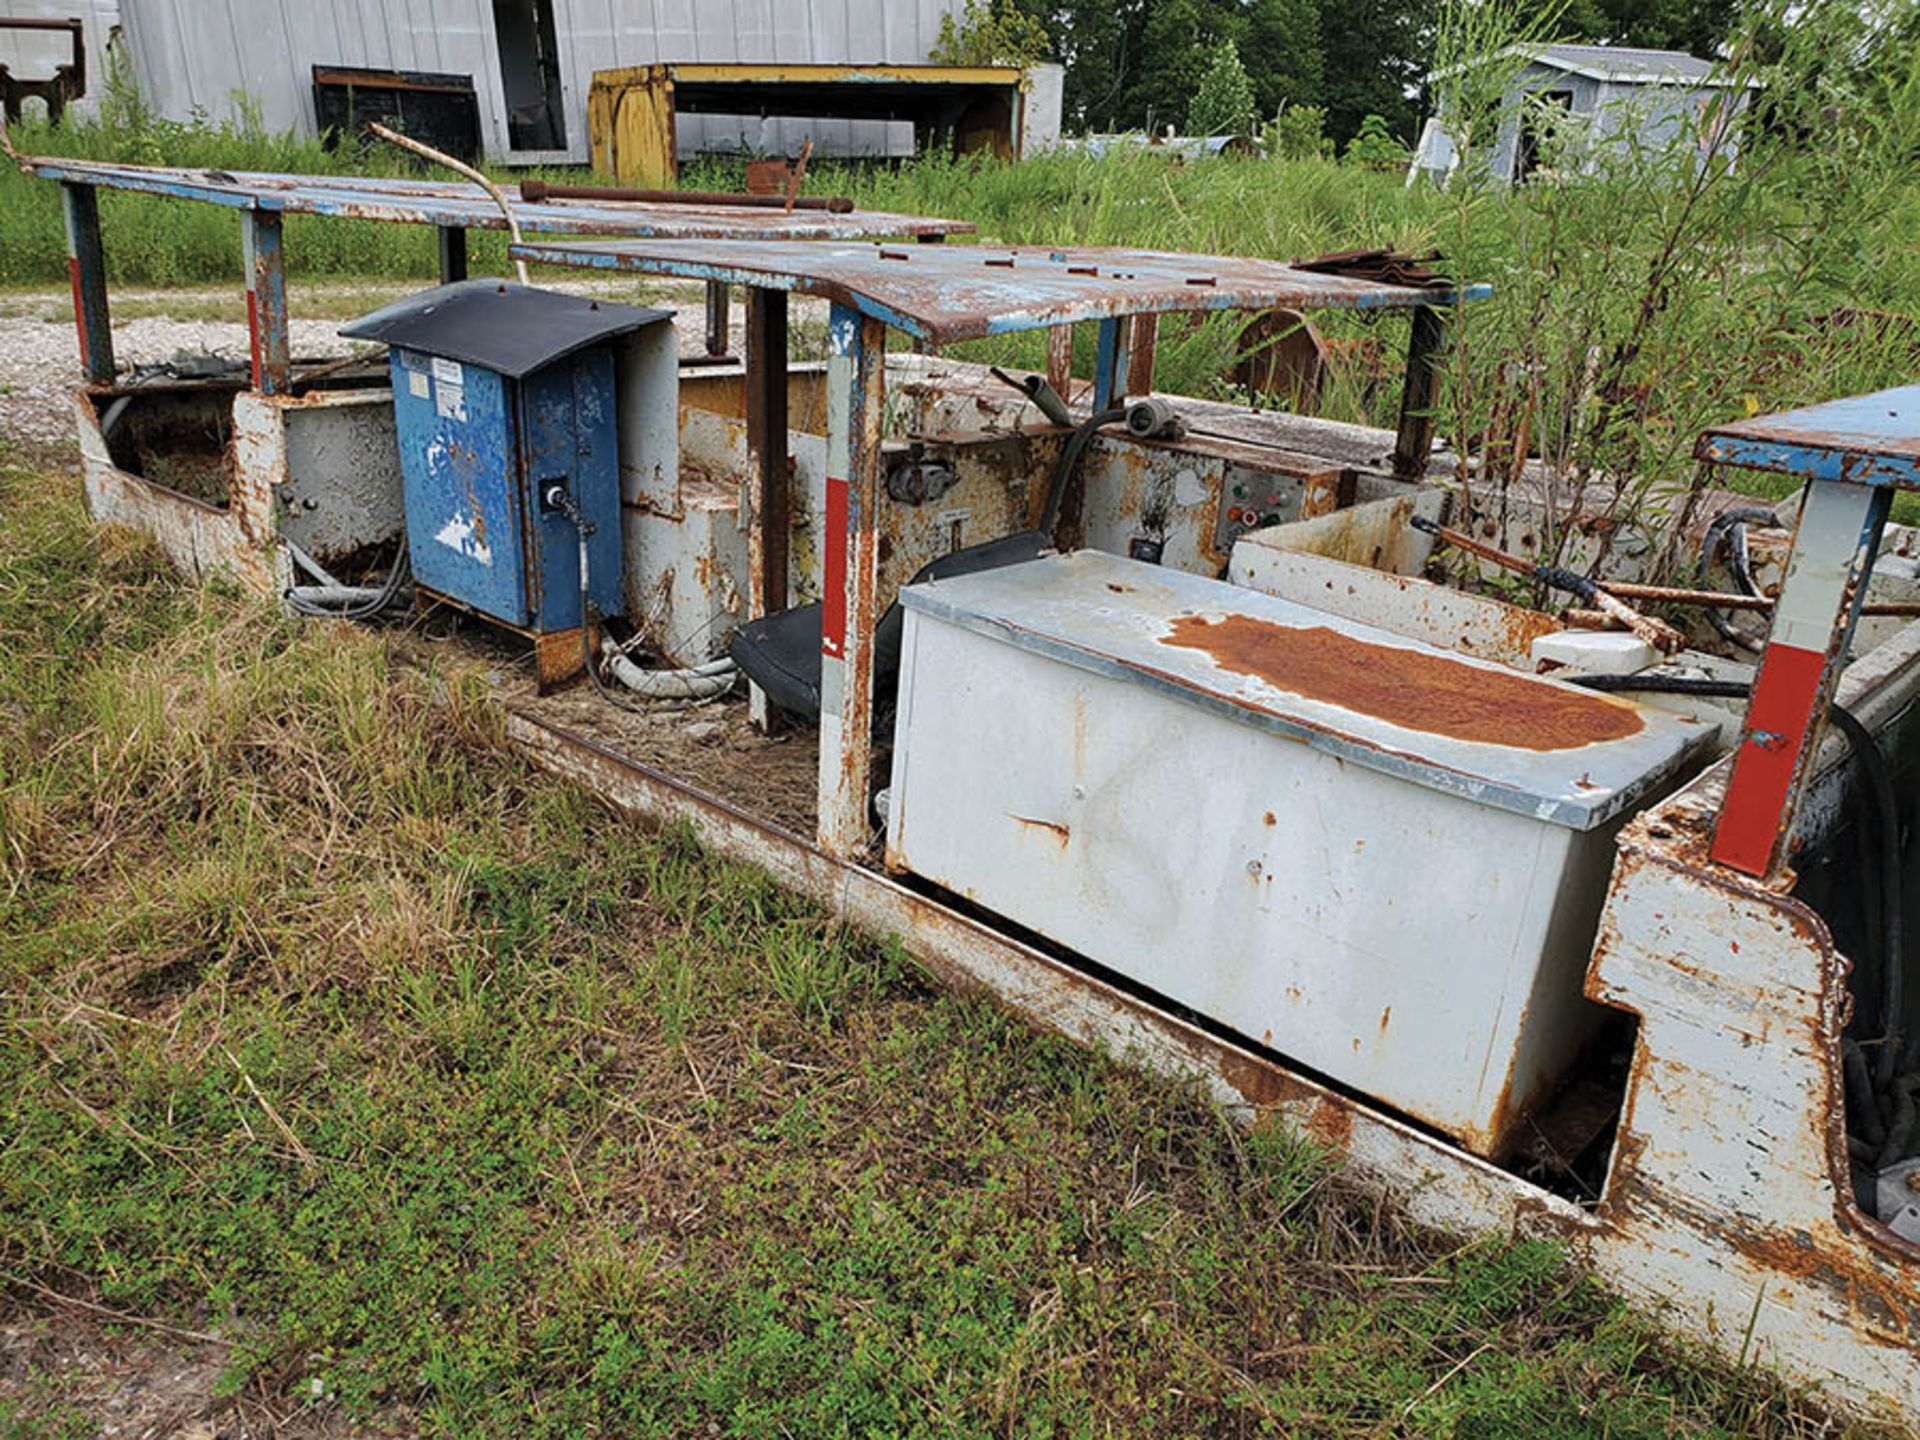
{"type": "Point", "coordinates": [440, 157]}
{"type": "Point", "coordinates": [538, 192]}
{"type": "Point", "coordinates": [1657, 633]}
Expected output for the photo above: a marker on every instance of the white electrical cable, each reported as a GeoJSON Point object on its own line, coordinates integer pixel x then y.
{"type": "Point", "coordinates": [702, 682]}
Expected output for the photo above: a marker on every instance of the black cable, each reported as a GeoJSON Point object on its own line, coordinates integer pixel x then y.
{"type": "Point", "coordinates": [1890, 1086]}
{"type": "Point", "coordinates": [1879, 775]}
{"type": "Point", "coordinates": [1729, 527]}
{"type": "Point", "coordinates": [1070, 462]}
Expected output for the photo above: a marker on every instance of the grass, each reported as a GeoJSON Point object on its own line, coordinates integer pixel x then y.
{"type": "Point", "coordinates": [450, 1099]}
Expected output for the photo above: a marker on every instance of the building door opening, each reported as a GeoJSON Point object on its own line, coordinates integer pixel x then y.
{"type": "Point", "coordinates": [530, 74]}
{"type": "Point", "coordinates": [1541, 115]}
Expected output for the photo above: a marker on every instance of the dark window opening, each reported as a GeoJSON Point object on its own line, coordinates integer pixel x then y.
{"type": "Point", "coordinates": [530, 74]}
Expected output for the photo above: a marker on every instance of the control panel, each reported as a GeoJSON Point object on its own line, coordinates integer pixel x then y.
{"type": "Point", "coordinates": [1252, 498]}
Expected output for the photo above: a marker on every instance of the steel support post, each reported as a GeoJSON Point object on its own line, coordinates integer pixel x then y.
{"type": "Point", "coordinates": [1060, 360]}
{"type": "Point", "coordinates": [87, 264]}
{"type": "Point", "coordinates": [267, 320]}
{"type": "Point", "coordinates": [1820, 598]}
{"type": "Point", "coordinates": [1146, 336]}
{"type": "Point", "coordinates": [856, 399]}
{"type": "Point", "coordinates": [769, 468]}
{"type": "Point", "coordinates": [1426, 343]}
{"type": "Point", "coordinates": [1111, 362]}
{"type": "Point", "coordinates": [453, 253]}
{"type": "Point", "coordinates": [718, 321]}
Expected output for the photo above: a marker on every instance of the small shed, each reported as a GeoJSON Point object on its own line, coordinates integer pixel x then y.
{"type": "Point", "coordinates": [1618, 94]}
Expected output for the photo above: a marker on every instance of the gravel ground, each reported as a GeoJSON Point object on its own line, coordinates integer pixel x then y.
{"type": "Point", "coordinates": [40, 363]}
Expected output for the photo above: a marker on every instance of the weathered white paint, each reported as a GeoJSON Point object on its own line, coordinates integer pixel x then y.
{"type": "Point", "coordinates": [202, 55]}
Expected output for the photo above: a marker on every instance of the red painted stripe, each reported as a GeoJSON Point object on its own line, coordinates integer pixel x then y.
{"type": "Point", "coordinates": [833, 599]}
{"type": "Point", "coordinates": [79, 316]}
{"type": "Point", "coordinates": [1778, 719]}
{"type": "Point", "coordinates": [253, 334]}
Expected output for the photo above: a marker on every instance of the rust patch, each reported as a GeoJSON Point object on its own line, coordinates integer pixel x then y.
{"type": "Point", "coordinates": [1269, 818]}
{"type": "Point", "coordinates": [1057, 832]}
{"type": "Point", "coordinates": [1386, 1018]}
{"type": "Point", "coordinates": [1408, 688]}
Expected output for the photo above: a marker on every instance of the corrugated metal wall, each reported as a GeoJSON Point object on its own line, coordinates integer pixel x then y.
{"type": "Point", "coordinates": [34, 57]}
{"type": "Point", "coordinates": [203, 54]}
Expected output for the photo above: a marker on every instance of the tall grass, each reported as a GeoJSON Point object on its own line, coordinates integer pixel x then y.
{"type": "Point", "coordinates": [453, 1104]}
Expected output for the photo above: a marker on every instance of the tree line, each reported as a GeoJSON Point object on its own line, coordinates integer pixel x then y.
{"type": "Point", "coordinates": [1140, 64]}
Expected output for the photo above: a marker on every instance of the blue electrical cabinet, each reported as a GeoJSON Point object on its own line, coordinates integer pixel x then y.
{"type": "Point", "coordinates": [501, 393]}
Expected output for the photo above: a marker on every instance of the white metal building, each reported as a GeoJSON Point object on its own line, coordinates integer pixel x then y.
{"type": "Point", "coordinates": [202, 56]}
{"type": "Point", "coordinates": [1613, 94]}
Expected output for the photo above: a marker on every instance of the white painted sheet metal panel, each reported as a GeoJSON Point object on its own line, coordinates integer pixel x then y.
{"type": "Point", "coordinates": [200, 56]}
{"type": "Point", "coordinates": [1404, 911]}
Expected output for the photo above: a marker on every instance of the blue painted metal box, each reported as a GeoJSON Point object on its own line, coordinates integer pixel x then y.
{"type": "Point", "coordinates": [500, 393]}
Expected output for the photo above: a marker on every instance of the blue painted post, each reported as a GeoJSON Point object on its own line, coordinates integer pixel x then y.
{"type": "Point", "coordinates": [1111, 358]}
{"type": "Point", "coordinates": [87, 265]}
{"type": "Point", "coordinates": [856, 400]}
{"type": "Point", "coordinates": [267, 320]}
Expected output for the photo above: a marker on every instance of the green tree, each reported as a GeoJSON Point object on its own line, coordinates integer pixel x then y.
{"type": "Point", "coordinates": [1697, 26]}
{"type": "Point", "coordinates": [1281, 50]}
{"type": "Point", "coordinates": [1178, 41]}
{"type": "Point", "coordinates": [1223, 105]}
{"type": "Point", "coordinates": [1374, 58]}
{"type": "Point", "coordinates": [990, 32]}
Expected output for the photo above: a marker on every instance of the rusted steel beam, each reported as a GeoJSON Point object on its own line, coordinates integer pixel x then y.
{"type": "Point", "coordinates": [1146, 333]}
{"type": "Point", "coordinates": [87, 265]}
{"type": "Point", "coordinates": [719, 320]}
{"type": "Point", "coordinates": [267, 319]}
{"type": "Point", "coordinates": [856, 398]}
{"type": "Point", "coordinates": [539, 192]}
{"type": "Point", "coordinates": [1426, 342]}
{"type": "Point", "coordinates": [453, 253]}
{"type": "Point", "coordinates": [1833, 549]}
{"type": "Point", "coordinates": [1060, 360]}
{"type": "Point", "coordinates": [767, 461]}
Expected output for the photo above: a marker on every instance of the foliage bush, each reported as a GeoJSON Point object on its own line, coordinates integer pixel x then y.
{"type": "Point", "coordinates": [1223, 105]}
{"type": "Point", "coordinates": [1374, 147]}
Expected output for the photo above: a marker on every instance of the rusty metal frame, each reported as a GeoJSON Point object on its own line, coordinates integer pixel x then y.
{"type": "Point", "coordinates": [1726, 1207]}
{"type": "Point", "coordinates": [1851, 454]}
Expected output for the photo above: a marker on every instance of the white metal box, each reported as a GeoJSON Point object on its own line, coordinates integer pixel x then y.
{"type": "Point", "coordinates": [1379, 858]}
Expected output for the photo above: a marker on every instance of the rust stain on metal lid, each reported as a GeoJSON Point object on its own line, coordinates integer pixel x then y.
{"type": "Point", "coordinates": [1408, 688]}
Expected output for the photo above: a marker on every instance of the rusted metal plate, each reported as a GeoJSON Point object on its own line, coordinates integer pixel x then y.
{"type": "Point", "coordinates": [945, 294]}
{"type": "Point", "coordinates": [201, 539]}
{"type": "Point", "coordinates": [1861, 440]}
{"type": "Point", "coordinates": [449, 203]}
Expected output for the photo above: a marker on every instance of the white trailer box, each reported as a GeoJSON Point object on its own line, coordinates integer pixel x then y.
{"type": "Point", "coordinates": [1379, 858]}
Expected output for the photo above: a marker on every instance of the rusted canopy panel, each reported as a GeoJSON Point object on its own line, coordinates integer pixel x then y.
{"type": "Point", "coordinates": [1862, 440]}
{"type": "Point", "coordinates": [458, 205]}
{"type": "Point", "coordinates": [945, 294]}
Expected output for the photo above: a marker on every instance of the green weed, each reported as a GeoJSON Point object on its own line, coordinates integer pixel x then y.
{"type": "Point", "coordinates": [428, 1083]}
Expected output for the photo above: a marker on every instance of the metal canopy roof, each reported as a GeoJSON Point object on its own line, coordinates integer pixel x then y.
{"type": "Point", "coordinates": [1863, 440]}
{"type": "Point", "coordinates": [511, 329]}
{"type": "Point", "coordinates": [461, 204]}
{"type": "Point", "coordinates": [945, 293]}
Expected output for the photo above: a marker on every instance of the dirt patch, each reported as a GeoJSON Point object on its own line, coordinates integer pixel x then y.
{"type": "Point", "coordinates": [65, 1366]}
{"type": "Point", "coordinates": [711, 746]}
